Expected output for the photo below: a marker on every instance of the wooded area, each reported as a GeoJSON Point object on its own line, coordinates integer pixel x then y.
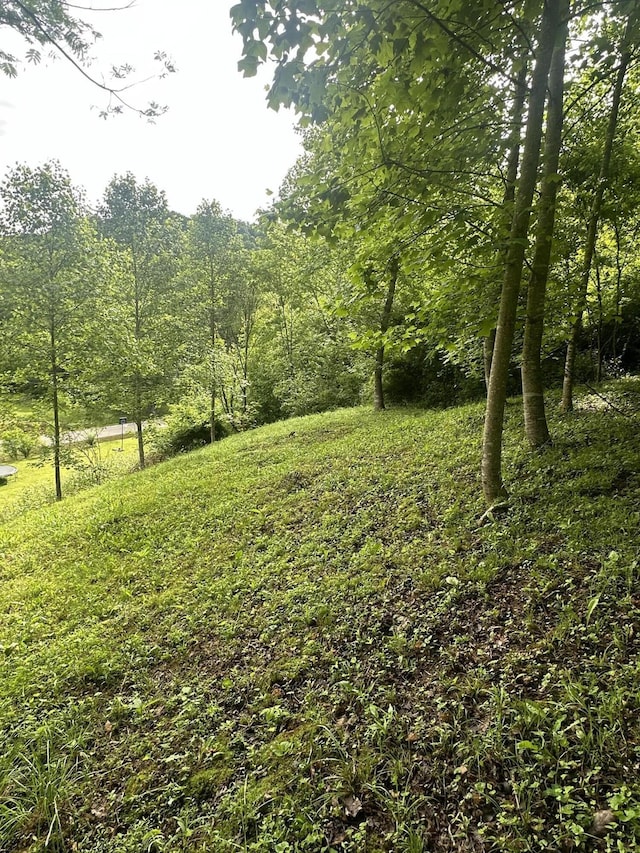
{"type": "Point", "coordinates": [466, 211]}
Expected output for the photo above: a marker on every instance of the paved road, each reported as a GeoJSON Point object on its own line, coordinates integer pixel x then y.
{"type": "Point", "coordinates": [111, 431]}
{"type": "Point", "coordinates": [104, 432]}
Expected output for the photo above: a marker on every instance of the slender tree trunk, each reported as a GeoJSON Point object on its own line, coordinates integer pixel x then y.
{"type": "Point", "coordinates": [212, 343]}
{"type": "Point", "coordinates": [492, 484]}
{"type": "Point", "coordinates": [617, 317]}
{"type": "Point", "coordinates": [213, 411]}
{"type": "Point", "coordinates": [140, 440]}
{"type": "Point", "coordinates": [378, 391]}
{"type": "Point", "coordinates": [138, 338]}
{"type": "Point", "coordinates": [487, 355]}
{"type": "Point", "coordinates": [600, 326]}
{"type": "Point", "coordinates": [245, 380]}
{"type": "Point", "coordinates": [535, 420]}
{"type": "Point", "coordinates": [225, 403]}
{"type": "Point", "coordinates": [286, 328]}
{"type": "Point", "coordinates": [511, 176]}
{"type": "Point", "coordinates": [56, 409]}
{"type": "Point", "coordinates": [592, 229]}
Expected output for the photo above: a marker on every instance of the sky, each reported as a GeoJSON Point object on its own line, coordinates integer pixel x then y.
{"type": "Point", "coordinates": [218, 140]}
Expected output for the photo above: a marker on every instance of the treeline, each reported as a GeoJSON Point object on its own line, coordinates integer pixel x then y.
{"type": "Point", "coordinates": [134, 310]}
{"type": "Point", "coordinates": [481, 159]}
{"type": "Point", "coordinates": [130, 308]}
{"type": "Point", "coordinates": [465, 217]}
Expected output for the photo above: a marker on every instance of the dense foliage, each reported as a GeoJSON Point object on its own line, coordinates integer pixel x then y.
{"type": "Point", "coordinates": [443, 133]}
{"type": "Point", "coordinates": [133, 309]}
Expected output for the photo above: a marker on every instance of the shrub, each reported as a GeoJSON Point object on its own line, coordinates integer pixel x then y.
{"type": "Point", "coordinates": [18, 442]}
{"type": "Point", "coordinates": [186, 428]}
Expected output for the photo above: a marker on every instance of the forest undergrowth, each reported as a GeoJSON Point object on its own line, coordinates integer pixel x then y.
{"type": "Point", "coordinates": [303, 639]}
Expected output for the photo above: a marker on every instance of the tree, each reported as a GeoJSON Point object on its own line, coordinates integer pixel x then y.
{"type": "Point", "coordinates": [423, 102]}
{"type": "Point", "coordinates": [430, 98]}
{"type": "Point", "coordinates": [492, 483]}
{"type": "Point", "coordinates": [248, 269]}
{"type": "Point", "coordinates": [596, 208]}
{"type": "Point", "coordinates": [147, 342]}
{"type": "Point", "coordinates": [46, 274]}
{"type": "Point", "coordinates": [304, 360]}
{"type": "Point", "coordinates": [212, 239]}
{"type": "Point", "coordinates": [535, 420]}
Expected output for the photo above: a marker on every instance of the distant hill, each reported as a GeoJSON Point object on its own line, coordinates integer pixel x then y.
{"type": "Point", "coordinates": [302, 639]}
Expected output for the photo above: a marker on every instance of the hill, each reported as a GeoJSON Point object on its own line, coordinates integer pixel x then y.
{"type": "Point", "coordinates": [301, 639]}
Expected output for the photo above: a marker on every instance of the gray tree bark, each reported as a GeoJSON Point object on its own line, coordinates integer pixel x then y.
{"type": "Point", "coordinates": [511, 177]}
{"type": "Point", "coordinates": [492, 484]}
{"type": "Point", "coordinates": [535, 420]}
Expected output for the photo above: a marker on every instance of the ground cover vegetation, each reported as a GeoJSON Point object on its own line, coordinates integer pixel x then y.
{"type": "Point", "coordinates": [85, 463]}
{"type": "Point", "coordinates": [286, 642]}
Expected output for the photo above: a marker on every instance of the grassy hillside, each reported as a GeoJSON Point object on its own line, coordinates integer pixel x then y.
{"type": "Point", "coordinates": [301, 640]}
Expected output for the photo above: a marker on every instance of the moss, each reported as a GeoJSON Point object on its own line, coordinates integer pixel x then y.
{"type": "Point", "coordinates": [207, 784]}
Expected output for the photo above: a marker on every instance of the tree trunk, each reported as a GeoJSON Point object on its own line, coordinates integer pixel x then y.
{"type": "Point", "coordinates": [213, 413]}
{"type": "Point", "coordinates": [140, 441]}
{"type": "Point", "coordinates": [511, 176]}
{"type": "Point", "coordinates": [592, 229]}
{"type": "Point", "coordinates": [378, 391]}
{"type": "Point", "coordinates": [56, 410]}
{"type": "Point", "coordinates": [600, 326]}
{"type": "Point", "coordinates": [617, 317]}
{"type": "Point", "coordinates": [212, 364]}
{"type": "Point", "coordinates": [138, 337]}
{"type": "Point", "coordinates": [492, 484]}
{"type": "Point", "coordinates": [535, 420]}
{"type": "Point", "coordinates": [487, 356]}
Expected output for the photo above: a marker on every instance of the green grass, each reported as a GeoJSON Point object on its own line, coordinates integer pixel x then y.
{"type": "Point", "coordinates": [301, 640]}
{"type": "Point", "coordinates": [34, 485]}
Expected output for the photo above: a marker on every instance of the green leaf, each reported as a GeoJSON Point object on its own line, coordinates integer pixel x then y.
{"type": "Point", "coordinates": [593, 603]}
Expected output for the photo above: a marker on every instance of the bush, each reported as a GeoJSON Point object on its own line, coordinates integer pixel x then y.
{"type": "Point", "coordinates": [427, 378]}
{"type": "Point", "coordinates": [17, 442]}
{"type": "Point", "coordinates": [186, 428]}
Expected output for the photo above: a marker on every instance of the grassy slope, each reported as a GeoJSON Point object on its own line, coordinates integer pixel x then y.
{"type": "Point", "coordinates": [301, 640]}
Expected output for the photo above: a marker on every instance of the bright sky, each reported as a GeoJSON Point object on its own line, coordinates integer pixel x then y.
{"type": "Point", "coordinates": [218, 140]}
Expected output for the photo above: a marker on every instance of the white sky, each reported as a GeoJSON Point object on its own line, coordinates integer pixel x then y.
{"type": "Point", "coordinates": [218, 140]}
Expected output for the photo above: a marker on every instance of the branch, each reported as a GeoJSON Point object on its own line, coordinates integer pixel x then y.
{"type": "Point", "coordinates": [48, 38]}
{"type": "Point", "coordinates": [459, 40]}
{"type": "Point", "coordinates": [129, 5]}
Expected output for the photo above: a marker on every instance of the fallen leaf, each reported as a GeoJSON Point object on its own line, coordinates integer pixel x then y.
{"type": "Point", "coordinates": [602, 820]}
{"type": "Point", "coordinates": [352, 806]}
{"type": "Point", "coordinates": [99, 811]}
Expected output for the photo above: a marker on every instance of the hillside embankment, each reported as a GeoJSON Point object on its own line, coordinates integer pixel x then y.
{"type": "Point", "coordinates": [302, 640]}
